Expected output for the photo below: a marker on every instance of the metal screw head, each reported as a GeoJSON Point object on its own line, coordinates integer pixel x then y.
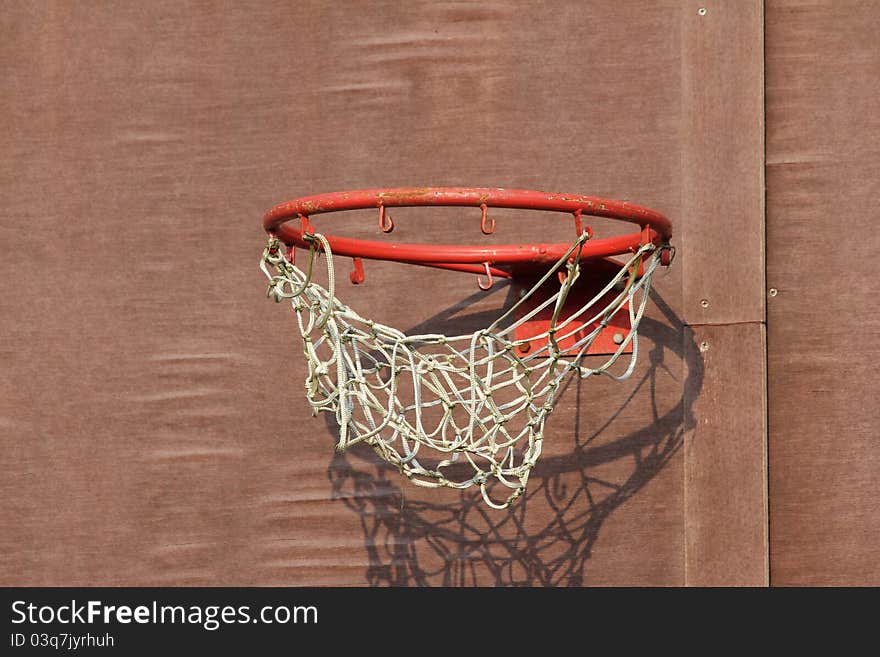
{"type": "Point", "coordinates": [704, 346]}
{"type": "Point", "coordinates": [704, 303]}
{"type": "Point", "coordinates": [617, 338]}
{"type": "Point", "coordinates": [702, 11]}
{"type": "Point", "coordinates": [525, 347]}
{"type": "Point", "coordinates": [773, 292]}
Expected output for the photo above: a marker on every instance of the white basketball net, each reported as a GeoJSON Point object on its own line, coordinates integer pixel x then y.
{"type": "Point", "coordinates": [459, 411]}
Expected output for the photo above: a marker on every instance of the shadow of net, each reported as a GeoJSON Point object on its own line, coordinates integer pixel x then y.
{"type": "Point", "coordinates": [450, 538]}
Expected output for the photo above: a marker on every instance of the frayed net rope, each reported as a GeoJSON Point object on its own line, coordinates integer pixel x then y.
{"type": "Point", "coordinates": [461, 411]}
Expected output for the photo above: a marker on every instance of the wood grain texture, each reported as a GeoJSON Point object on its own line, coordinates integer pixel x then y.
{"type": "Point", "coordinates": [725, 471]}
{"type": "Point", "coordinates": [723, 292]}
{"type": "Point", "coordinates": [153, 425]}
{"type": "Point", "coordinates": [722, 163]}
{"type": "Point", "coordinates": [152, 422]}
{"type": "Point", "coordinates": [823, 179]}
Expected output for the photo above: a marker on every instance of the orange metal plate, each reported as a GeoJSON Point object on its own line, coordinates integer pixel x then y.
{"type": "Point", "coordinates": [593, 279]}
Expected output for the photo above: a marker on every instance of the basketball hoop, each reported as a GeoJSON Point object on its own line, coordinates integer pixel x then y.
{"type": "Point", "coordinates": [465, 410]}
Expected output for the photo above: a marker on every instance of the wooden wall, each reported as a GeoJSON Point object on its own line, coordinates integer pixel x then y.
{"type": "Point", "coordinates": [823, 176]}
{"type": "Point", "coordinates": [152, 421]}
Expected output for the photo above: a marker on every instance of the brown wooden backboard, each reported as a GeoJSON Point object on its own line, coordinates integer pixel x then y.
{"type": "Point", "coordinates": [153, 426]}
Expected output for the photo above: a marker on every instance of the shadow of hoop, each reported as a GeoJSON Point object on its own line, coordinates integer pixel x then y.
{"type": "Point", "coordinates": [411, 542]}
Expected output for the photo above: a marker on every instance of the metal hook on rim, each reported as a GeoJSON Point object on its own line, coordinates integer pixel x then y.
{"type": "Point", "coordinates": [386, 223]}
{"type": "Point", "coordinates": [570, 266]}
{"type": "Point", "coordinates": [306, 232]}
{"type": "Point", "coordinates": [357, 276]}
{"type": "Point", "coordinates": [486, 225]}
{"type": "Point", "coordinates": [579, 226]}
{"type": "Point", "coordinates": [489, 280]}
{"type": "Point", "coordinates": [304, 225]}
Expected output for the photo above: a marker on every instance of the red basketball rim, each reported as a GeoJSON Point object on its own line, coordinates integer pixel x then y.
{"type": "Point", "coordinates": [501, 260]}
